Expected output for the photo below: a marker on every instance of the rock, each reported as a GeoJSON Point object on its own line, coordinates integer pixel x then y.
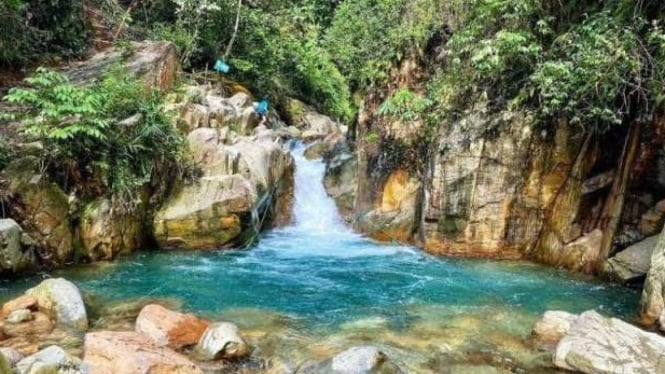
{"type": "Point", "coordinates": [631, 263]}
{"type": "Point", "coordinates": [394, 219]}
{"type": "Point", "coordinates": [652, 303]}
{"type": "Point", "coordinates": [157, 63]}
{"type": "Point", "coordinates": [107, 230]}
{"type": "Point", "coordinates": [598, 345]}
{"type": "Point", "coordinates": [316, 150]}
{"type": "Point", "coordinates": [11, 355]}
{"type": "Point", "coordinates": [21, 302]}
{"type": "Point", "coordinates": [582, 254]}
{"type": "Point", "coordinates": [44, 212]}
{"type": "Point", "coordinates": [222, 340]}
{"type": "Point", "coordinates": [356, 360]}
{"type": "Point", "coordinates": [340, 181]}
{"type": "Point", "coordinates": [16, 254]}
{"type": "Point", "coordinates": [168, 328]}
{"type": "Point", "coordinates": [5, 366]}
{"type": "Point", "coordinates": [19, 315]}
{"type": "Point", "coordinates": [62, 300]}
{"type": "Point", "coordinates": [108, 352]}
{"type": "Point", "coordinates": [652, 221]}
{"type": "Point", "coordinates": [549, 330]}
{"type": "Point", "coordinates": [52, 359]}
{"type": "Point", "coordinates": [241, 182]}
{"type": "Point", "coordinates": [39, 325]}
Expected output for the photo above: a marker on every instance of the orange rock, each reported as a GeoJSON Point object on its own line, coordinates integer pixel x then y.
{"type": "Point", "coordinates": [40, 325]}
{"type": "Point", "coordinates": [109, 352]}
{"type": "Point", "coordinates": [21, 302]}
{"type": "Point", "coordinates": [169, 328]}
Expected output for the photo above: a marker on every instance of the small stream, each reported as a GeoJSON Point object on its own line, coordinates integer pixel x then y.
{"type": "Point", "coordinates": [311, 289]}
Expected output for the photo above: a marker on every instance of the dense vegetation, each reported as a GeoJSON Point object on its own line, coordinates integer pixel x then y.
{"type": "Point", "coordinates": [110, 136]}
{"type": "Point", "coordinates": [592, 63]}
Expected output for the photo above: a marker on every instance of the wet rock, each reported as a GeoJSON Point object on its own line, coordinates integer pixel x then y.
{"type": "Point", "coordinates": [356, 360]}
{"type": "Point", "coordinates": [11, 355]}
{"type": "Point", "coordinates": [109, 352]}
{"type": "Point", "coordinates": [16, 250]}
{"type": "Point", "coordinates": [631, 263]}
{"type": "Point", "coordinates": [52, 359]}
{"type": "Point", "coordinates": [21, 302]}
{"type": "Point", "coordinates": [169, 328]}
{"type": "Point", "coordinates": [553, 325]}
{"type": "Point", "coordinates": [222, 340]}
{"type": "Point", "coordinates": [341, 182]}
{"type": "Point", "coordinates": [652, 221]}
{"type": "Point", "coordinates": [19, 315]}
{"type": "Point", "coordinates": [596, 345]}
{"type": "Point", "coordinates": [62, 300]}
{"type": "Point", "coordinates": [40, 324]}
{"type": "Point", "coordinates": [316, 150]}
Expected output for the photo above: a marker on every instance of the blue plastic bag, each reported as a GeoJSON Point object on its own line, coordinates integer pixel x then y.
{"type": "Point", "coordinates": [221, 67]}
{"type": "Point", "coordinates": [262, 107]}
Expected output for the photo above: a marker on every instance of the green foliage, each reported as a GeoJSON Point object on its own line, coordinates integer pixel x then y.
{"type": "Point", "coordinates": [86, 137]}
{"type": "Point", "coordinates": [405, 105]}
{"type": "Point", "coordinates": [367, 37]}
{"type": "Point", "coordinates": [35, 29]}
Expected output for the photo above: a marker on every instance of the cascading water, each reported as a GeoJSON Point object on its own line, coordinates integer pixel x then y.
{"type": "Point", "coordinates": [317, 287]}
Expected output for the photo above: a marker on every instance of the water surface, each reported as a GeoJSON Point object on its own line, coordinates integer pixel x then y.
{"type": "Point", "coordinates": [313, 288]}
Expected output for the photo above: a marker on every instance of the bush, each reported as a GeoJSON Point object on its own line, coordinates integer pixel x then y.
{"type": "Point", "coordinates": [85, 140]}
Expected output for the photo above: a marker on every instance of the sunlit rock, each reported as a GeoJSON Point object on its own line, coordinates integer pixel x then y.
{"type": "Point", "coordinates": [356, 360]}
{"type": "Point", "coordinates": [62, 300]}
{"type": "Point", "coordinates": [222, 340]}
{"type": "Point", "coordinates": [21, 302]}
{"type": "Point", "coordinates": [19, 315]}
{"type": "Point", "coordinates": [108, 352]}
{"type": "Point", "coordinates": [169, 328]}
{"type": "Point", "coordinates": [11, 355]}
{"type": "Point", "coordinates": [52, 359]}
{"type": "Point", "coordinates": [599, 345]}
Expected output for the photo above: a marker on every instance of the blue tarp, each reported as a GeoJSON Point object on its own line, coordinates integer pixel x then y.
{"type": "Point", "coordinates": [262, 107]}
{"type": "Point", "coordinates": [221, 67]}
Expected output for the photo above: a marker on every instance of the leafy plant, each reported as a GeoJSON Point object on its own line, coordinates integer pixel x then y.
{"type": "Point", "coordinates": [405, 104]}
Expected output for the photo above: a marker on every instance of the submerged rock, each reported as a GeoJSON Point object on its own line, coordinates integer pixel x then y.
{"type": "Point", "coordinates": [598, 345]}
{"type": "Point", "coordinates": [631, 263]}
{"type": "Point", "coordinates": [52, 359]}
{"type": "Point", "coordinates": [62, 300]}
{"type": "Point", "coordinates": [356, 360]}
{"type": "Point", "coordinates": [110, 352]}
{"type": "Point", "coordinates": [549, 330]}
{"type": "Point", "coordinates": [169, 328]}
{"type": "Point", "coordinates": [222, 340]}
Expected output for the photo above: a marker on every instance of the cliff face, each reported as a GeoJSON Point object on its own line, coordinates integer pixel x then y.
{"type": "Point", "coordinates": [502, 185]}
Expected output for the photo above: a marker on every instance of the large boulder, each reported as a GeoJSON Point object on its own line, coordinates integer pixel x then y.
{"type": "Point", "coordinates": [222, 340]}
{"type": "Point", "coordinates": [108, 352]}
{"type": "Point", "coordinates": [631, 263]}
{"type": "Point", "coordinates": [169, 328]}
{"type": "Point", "coordinates": [356, 360]}
{"type": "Point", "coordinates": [598, 345]}
{"type": "Point", "coordinates": [226, 206]}
{"type": "Point", "coordinates": [155, 62]}
{"type": "Point", "coordinates": [16, 248]}
{"type": "Point", "coordinates": [394, 219]}
{"type": "Point", "coordinates": [52, 359]}
{"type": "Point", "coordinates": [61, 299]}
{"type": "Point", "coordinates": [107, 230]}
{"type": "Point", "coordinates": [42, 210]}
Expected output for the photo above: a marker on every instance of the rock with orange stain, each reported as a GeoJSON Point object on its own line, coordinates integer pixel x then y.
{"type": "Point", "coordinates": [169, 328]}
{"type": "Point", "coordinates": [21, 302]}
